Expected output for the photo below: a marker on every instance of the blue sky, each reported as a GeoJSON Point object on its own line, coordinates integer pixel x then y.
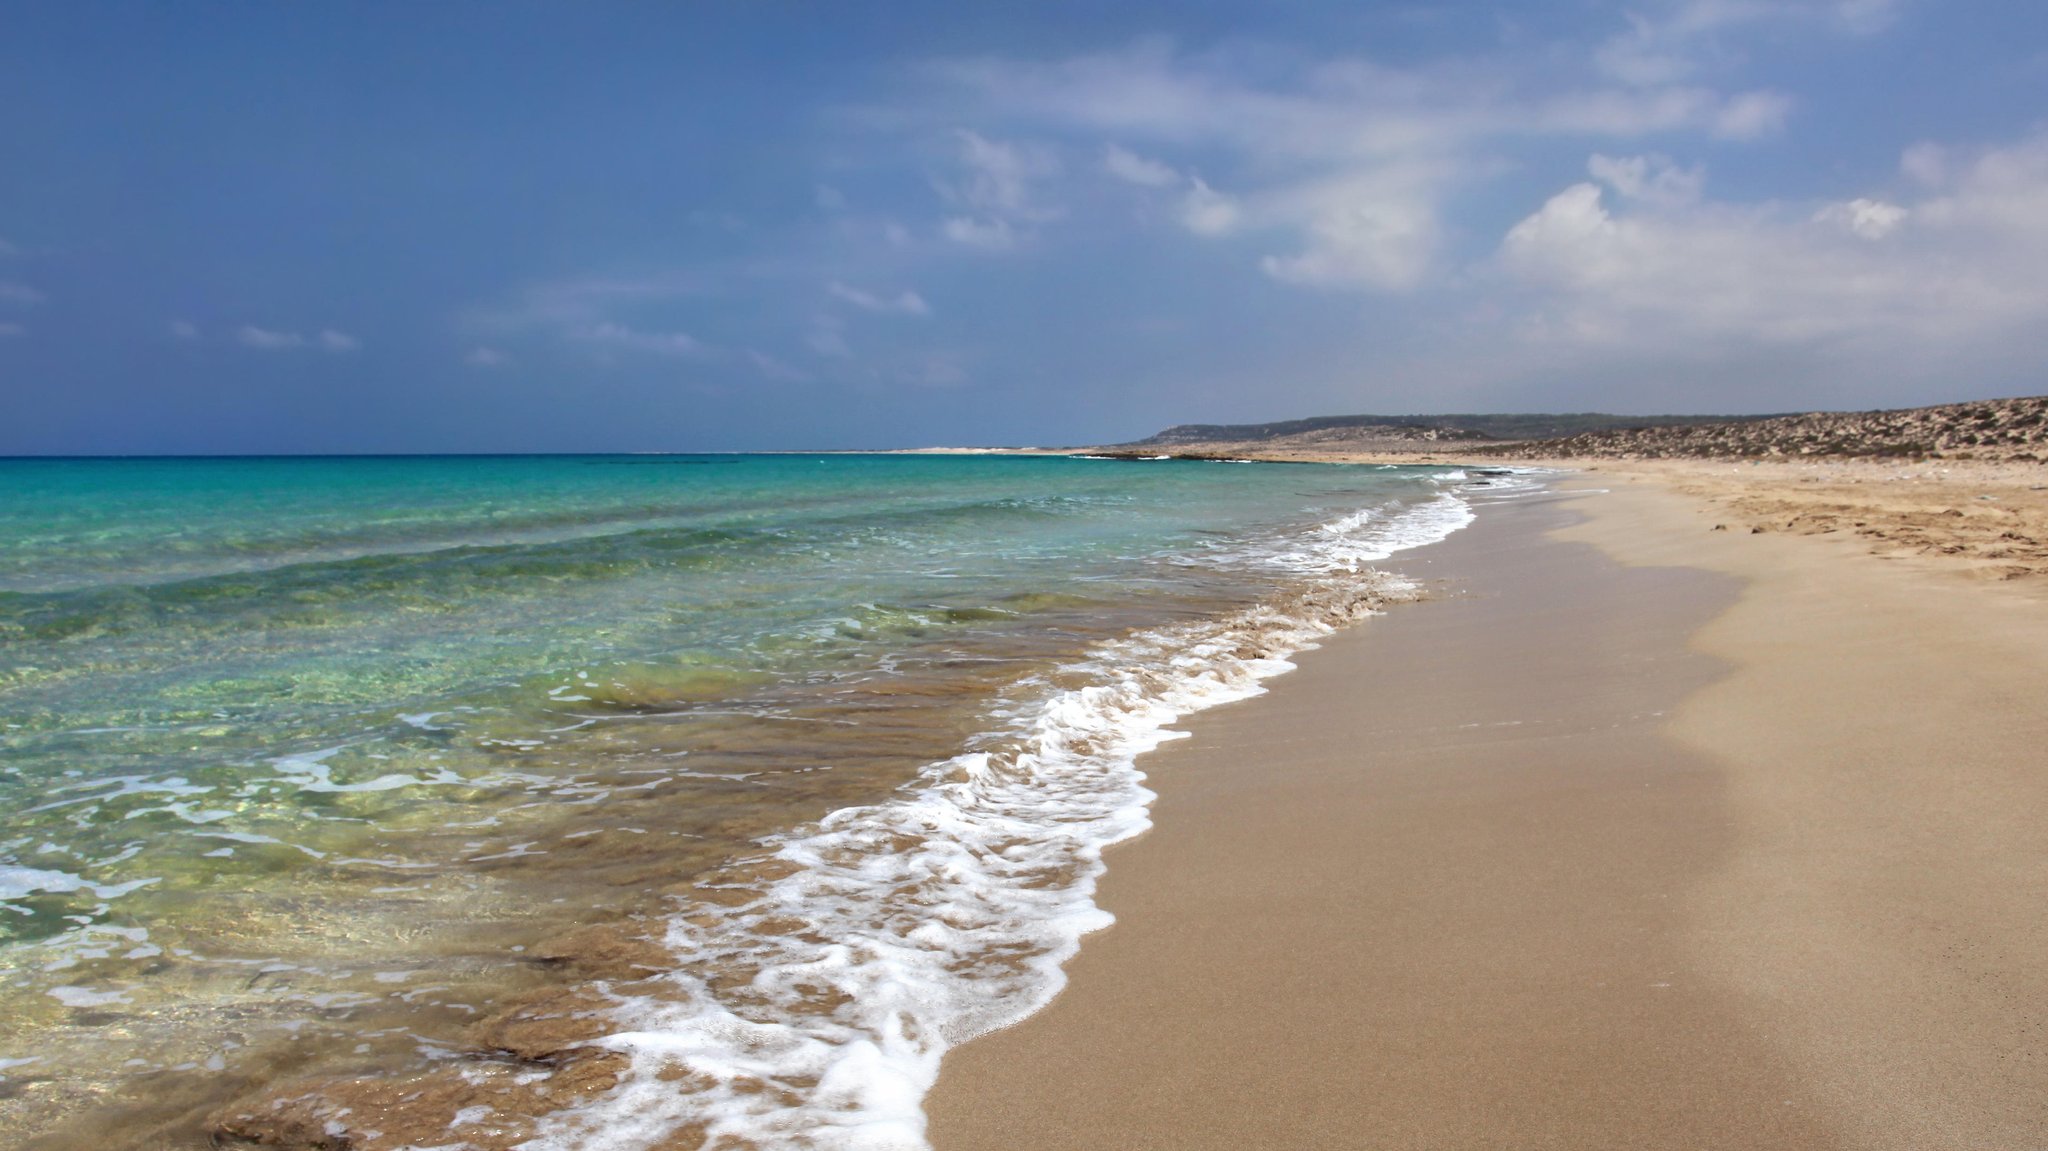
{"type": "Point", "coordinates": [532, 227]}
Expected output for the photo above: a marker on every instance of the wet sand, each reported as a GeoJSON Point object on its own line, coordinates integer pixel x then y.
{"type": "Point", "coordinates": [1642, 835]}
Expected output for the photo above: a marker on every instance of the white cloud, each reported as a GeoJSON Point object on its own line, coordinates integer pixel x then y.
{"type": "Point", "coordinates": [1348, 165]}
{"type": "Point", "coordinates": [1208, 212]}
{"type": "Point", "coordinates": [1646, 54]}
{"type": "Point", "coordinates": [184, 330]}
{"type": "Point", "coordinates": [1132, 168]}
{"type": "Point", "coordinates": [251, 336]}
{"type": "Point", "coordinates": [999, 189]}
{"type": "Point", "coordinates": [605, 316]}
{"type": "Point", "coordinates": [1374, 230]}
{"type": "Point", "coordinates": [20, 295]}
{"type": "Point", "coordinates": [1925, 163]}
{"type": "Point", "coordinates": [265, 339]}
{"type": "Point", "coordinates": [906, 303]}
{"type": "Point", "coordinates": [483, 356]}
{"type": "Point", "coordinates": [1620, 113]}
{"type": "Point", "coordinates": [1955, 276]}
{"type": "Point", "coordinates": [1670, 41]}
{"type": "Point", "coordinates": [1752, 115]}
{"type": "Point", "coordinates": [990, 235]}
{"type": "Point", "coordinates": [612, 335]}
{"type": "Point", "coordinates": [1202, 209]}
{"type": "Point", "coordinates": [1565, 240]}
{"type": "Point", "coordinates": [1653, 179]}
{"type": "Point", "coordinates": [1870, 219]}
{"type": "Point", "coordinates": [1001, 176]}
{"type": "Point", "coordinates": [10, 331]}
{"type": "Point", "coordinates": [829, 198]}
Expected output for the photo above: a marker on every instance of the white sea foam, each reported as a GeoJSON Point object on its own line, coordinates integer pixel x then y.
{"type": "Point", "coordinates": [818, 984]}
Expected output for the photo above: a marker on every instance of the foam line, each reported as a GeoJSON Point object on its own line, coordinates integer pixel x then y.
{"type": "Point", "coordinates": [818, 984]}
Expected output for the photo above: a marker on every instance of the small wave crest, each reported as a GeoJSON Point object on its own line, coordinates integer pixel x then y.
{"type": "Point", "coordinates": [818, 984]}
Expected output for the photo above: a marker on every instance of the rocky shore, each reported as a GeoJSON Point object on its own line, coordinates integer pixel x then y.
{"type": "Point", "coordinates": [1998, 430]}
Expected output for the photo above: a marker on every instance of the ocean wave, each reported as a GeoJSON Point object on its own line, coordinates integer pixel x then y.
{"type": "Point", "coordinates": [819, 982]}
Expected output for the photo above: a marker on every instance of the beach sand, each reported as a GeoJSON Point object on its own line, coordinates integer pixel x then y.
{"type": "Point", "coordinates": [1641, 835]}
{"type": "Point", "coordinates": [1987, 519]}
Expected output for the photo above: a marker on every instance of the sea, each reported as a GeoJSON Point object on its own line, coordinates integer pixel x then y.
{"type": "Point", "coordinates": [602, 801]}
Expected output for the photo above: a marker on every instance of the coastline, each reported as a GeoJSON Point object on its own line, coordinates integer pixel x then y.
{"type": "Point", "coordinates": [1647, 835]}
{"type": "Point", "coordinates": [817, 746]}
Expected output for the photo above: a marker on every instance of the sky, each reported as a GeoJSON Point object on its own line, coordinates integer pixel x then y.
{"type": "Point", "coordinates": [239, 228]}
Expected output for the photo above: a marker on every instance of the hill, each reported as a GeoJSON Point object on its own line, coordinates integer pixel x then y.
{"type": "Point", "coordinates": [1429, 429]}
{"type": "Point", "coordinates": [2005, 429]}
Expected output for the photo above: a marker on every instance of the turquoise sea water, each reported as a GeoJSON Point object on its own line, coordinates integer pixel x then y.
{"type": "Point", "coordinates": [308, 754]}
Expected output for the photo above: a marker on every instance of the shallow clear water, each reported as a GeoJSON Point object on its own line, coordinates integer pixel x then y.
{"type": "Point", "coordinates": [318, 753]}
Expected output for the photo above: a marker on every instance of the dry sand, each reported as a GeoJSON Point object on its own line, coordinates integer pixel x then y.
{"type": "Point", "coordinates": [1644, 835]}
{"type": "Point", "coordinates": [1987, 519]}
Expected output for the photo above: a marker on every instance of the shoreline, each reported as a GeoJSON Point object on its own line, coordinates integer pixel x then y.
{"type": "Point", "coordinates": [1565, 859]}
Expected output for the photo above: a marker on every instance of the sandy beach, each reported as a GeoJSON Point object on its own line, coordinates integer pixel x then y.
{"type": "Point", "coordinates": [1642, 834]}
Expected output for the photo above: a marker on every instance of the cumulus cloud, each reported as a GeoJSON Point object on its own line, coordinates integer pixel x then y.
{"type": "Point", "coordinates": [1653, 179]}
{"type": "Point", "coordinates": [184, 330]}
{"type": "Point", "coordinates": [1346, 166]}
{"type": "Point", "coordinates": [1870, 219]}
{"type": "Point", "coordinates": [1949, 275]}
{"type": "Point", "coordinates": [484, 356]}
{"type": "Point", "coordinates": [1132, 168]}
{"type": "Point", "coordinates": [1374, 229]}
{"type": "Point", "coordinates": [333, 341]}
{"type": "Point", "coordinates": [905, 303]}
